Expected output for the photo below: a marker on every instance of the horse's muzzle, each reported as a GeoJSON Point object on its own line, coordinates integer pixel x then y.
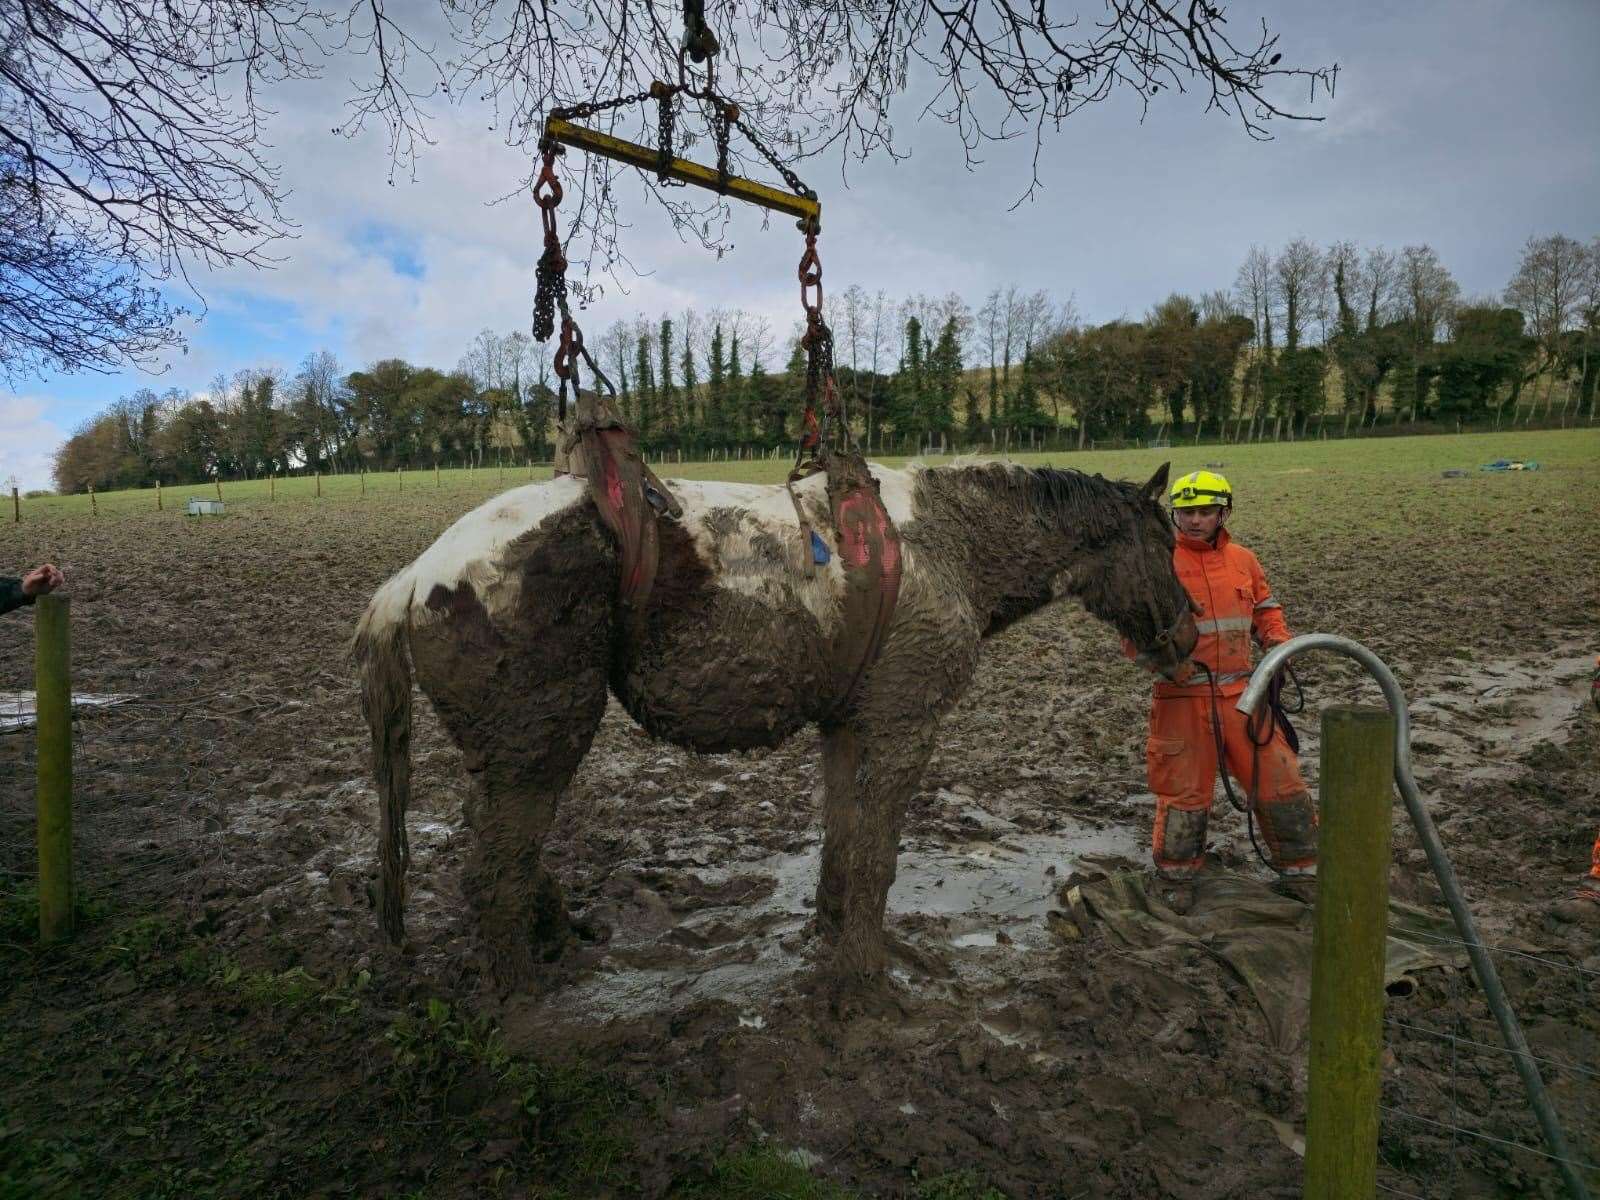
{"type": "Point", "coordinates": [1171, 654]}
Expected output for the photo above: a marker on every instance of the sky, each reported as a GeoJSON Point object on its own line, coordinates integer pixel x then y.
{"type": "Point", "coordinates": [1468, 124]}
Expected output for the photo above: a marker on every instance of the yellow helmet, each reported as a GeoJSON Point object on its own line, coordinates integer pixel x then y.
{"type": "Point", "coordinates": [1199, 488]}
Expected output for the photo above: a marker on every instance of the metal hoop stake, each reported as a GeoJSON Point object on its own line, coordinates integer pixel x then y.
{"type": "Point", "coordinates": [1488, 978]}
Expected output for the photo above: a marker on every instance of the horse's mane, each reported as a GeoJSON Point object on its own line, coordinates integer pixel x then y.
{"type": "Point", "coordinates": [1097, 507]}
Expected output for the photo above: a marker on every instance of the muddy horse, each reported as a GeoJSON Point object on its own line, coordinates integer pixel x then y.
{"type": "Point", "coordinates": [513, 626]}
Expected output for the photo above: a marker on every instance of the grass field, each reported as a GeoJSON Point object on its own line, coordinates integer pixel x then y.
{"type": "Point", "coordinates": [1250, 467]}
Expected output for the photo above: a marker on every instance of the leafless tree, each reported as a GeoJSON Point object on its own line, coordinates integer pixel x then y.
{"type": "Point", "coordinates": [1380, 279]}
{"type": "Point", "coordinates": [817, 75]}
{"type": "Point", "coordinates": [313, 394]}
{"type": "Point", "coordinates": [1299, 281]}
{"type": "Point", "coordinates": [758, 336]}
{"type": "Point", "coordinates": [1253, 286]}
{"type": "Point", "coordinates": [1426, 293]}
{"type": "Point", "coordinates": [131, 150]}
{"type": "Point", "coordinates": [132, 138]}
{"type": "Point", "coordinates": [1215, 305]}
{"type": "Point", "coordinates": [1548, 288]}
{"type": "Point", "coordinates": [848, 322]}
{"type": "Point", "coordinates": [877, 326]}
{"type": "Point", "coordinates": [1426, 290]}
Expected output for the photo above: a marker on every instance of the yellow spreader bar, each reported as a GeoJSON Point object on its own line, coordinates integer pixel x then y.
{"type": "Point", "coordinates": [645, 158]}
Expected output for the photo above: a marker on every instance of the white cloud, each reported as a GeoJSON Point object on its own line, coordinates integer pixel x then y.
{"type": "Point", "coordinates": [28, 442]}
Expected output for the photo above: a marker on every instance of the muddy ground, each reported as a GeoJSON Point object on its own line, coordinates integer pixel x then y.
{"type": "Point", "coordinates": [229, 817]}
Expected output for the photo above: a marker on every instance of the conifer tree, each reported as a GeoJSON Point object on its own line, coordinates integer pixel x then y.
{"type": "Point", "coordinates": [716, 390]}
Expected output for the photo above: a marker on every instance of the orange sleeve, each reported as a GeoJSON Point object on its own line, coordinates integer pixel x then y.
{"type": "Point", "coordinates": [1266, 619]}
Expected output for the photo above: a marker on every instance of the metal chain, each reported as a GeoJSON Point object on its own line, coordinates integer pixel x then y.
{"type": "Point", "coordinates": [728, 111]}
{"type": "Point", "coordinates": [722, 127]}
{"type": "Point", "coordinates": [822, 390]}
{"type": "Point", "coordinates": [666, 118]}
{"type": "Point", "coordinates": [551, 274]}
{"type": "Point", "coordinates": [589, 108]}
{"type": "Point", "coordinates": [789, 177]}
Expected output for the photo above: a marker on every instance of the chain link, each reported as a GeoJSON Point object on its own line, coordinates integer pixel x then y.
{"type": "Point", "coordinates": [666, 119]}
{"type": "Point", "coordinates": [722, 128]}
{"type": "Point", "coordinates": [590, 108]}
{"type": "Point", "coordinates": [789, 177]}
{"type": "Point", "coordinates": [550, 275]}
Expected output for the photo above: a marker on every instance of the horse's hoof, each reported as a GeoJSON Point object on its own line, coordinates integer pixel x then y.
{"type": "Point", "coordinates": [852, 994]}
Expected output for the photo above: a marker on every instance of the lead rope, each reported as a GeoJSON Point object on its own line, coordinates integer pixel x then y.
{"type": "Point", "coordinates": [1249, 807]}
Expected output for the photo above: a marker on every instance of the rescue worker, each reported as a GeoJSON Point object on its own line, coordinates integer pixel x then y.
{"type": "Point", "coordinates": [14, 593]}
{"type": "Point", "coordinates": [1232, 606]}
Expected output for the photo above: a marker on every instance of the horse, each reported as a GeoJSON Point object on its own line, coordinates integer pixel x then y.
{"type": "Point", "coordinates": [514, 628]}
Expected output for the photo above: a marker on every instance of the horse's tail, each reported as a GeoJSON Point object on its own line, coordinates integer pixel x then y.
{"type": "Point", "coordinates": [380, 650]}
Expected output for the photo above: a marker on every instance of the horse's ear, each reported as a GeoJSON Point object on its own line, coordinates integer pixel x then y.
{"type": "Point", "coordinates": [1158, 483]}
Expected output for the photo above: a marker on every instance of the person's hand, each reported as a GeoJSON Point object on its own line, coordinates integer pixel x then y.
{"type": "Point", "coordinates": [42, 580]}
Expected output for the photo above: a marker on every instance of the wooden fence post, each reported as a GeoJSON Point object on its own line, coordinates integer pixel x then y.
{"type": "Point", "coordinates": [53, 712]}
{"type": "Point", "coordinates": [1347, 955]}
{"type": "Point", "coordinates": [435, 474]}
{"type": "Point", "coordinates": [16, 507]}
{"type": "Point", "coordinates": [319, 485]}
{"type": "Point", "coordinates": [219, 489]}
{"type": "Point", "coordinates": [94, 505]}
{"type": "Point", "coordinates": [158, 495]}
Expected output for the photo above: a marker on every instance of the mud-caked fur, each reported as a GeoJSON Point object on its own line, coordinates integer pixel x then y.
{"type": "Point", "coordinates": [716, 664]}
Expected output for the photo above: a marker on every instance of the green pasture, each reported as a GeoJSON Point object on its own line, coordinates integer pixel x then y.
{"type": "Point", "coordinates": [1353, 473]}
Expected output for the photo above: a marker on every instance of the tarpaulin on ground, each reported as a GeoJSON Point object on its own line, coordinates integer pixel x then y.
{"type": "Point", "coordinates": [1265, 938]}
{"type": "Point", "coordinates": [18, 710]}
{"type": "Point", "coordinates": [1510, 464]}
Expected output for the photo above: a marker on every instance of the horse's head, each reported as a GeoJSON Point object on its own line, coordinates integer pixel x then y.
{"type": "Point", "coordinates": [1127, 579]}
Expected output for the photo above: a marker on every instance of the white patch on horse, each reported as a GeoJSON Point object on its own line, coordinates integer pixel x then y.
{"type": "Point", "coordinates": [895, 489]}
{"type": "Point", "coordinates": [740, 558]}
{"type": "Point", "coordinates": [471, 550]}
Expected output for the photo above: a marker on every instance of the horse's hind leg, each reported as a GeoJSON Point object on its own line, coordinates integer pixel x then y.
{"type": "Point", "coordinates": [522, 697]}
{"type": "Point", "coordinates": [523, 772]}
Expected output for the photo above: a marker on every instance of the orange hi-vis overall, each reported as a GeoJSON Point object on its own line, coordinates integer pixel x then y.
{"type": "Point", "coordinates": [1233, 604]}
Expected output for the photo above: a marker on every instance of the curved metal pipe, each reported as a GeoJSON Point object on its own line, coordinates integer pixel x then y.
{"type": "Point", "coordinates": [1482, 964]}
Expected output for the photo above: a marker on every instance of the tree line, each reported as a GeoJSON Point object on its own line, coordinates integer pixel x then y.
{"type": "Point", "coordinates": [1302, 334]}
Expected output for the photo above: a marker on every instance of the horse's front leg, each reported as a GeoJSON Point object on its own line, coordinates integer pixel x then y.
{"type": "Point", "coordinates": [869, 773]}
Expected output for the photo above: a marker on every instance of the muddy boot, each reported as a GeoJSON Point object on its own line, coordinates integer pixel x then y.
{"type": "Point", "coordinates": [1297, 885]}
{"type": "Point", "coordinates": [1174, 890]}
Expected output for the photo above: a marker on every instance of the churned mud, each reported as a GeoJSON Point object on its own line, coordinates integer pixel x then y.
{"type": "Point", "coordinates": [1014, 1039]}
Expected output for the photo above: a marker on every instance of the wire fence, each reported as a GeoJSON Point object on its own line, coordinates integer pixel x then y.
{"type": "Point", "coordinates": [134, 797]}
{"type": "Point", "coordinates": [1454, 1116]}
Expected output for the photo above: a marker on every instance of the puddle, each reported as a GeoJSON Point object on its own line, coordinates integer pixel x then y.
{"type": "Point", "coordinates": [1477, 721]}
{"type": "Point", "coordinates": [741, 950]}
